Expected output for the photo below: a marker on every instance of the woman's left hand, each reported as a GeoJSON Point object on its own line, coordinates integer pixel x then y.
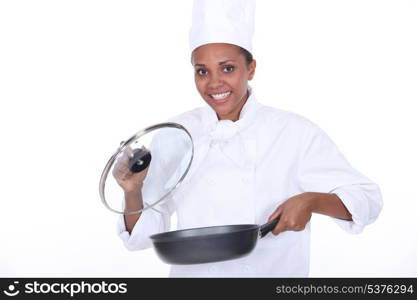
{"type": "Point", "coordinates": [294, 213]}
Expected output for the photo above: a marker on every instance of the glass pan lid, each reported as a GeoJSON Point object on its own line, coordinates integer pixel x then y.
{"type": "Point", "coordinates": [146, 168]}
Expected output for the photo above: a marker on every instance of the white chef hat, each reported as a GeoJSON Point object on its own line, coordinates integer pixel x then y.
{"type": "Point", "coordinates": [222, 21]}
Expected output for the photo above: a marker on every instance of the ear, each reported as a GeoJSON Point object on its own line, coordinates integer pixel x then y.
{"type": "Point", "coordinates": [251, 69]}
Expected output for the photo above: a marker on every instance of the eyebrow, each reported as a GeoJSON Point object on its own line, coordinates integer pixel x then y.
{"type": "Point", "coordinates": [220, 63]}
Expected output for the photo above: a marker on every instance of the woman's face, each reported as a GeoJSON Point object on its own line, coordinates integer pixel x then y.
{"type": "Point", "coordinates": [221, 77]}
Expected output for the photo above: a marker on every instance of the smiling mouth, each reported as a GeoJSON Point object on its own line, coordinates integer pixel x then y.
{"type": "Point", "coordinates": [220, 96]}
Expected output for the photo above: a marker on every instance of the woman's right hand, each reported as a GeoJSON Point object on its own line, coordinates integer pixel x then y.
{"type": "Point", "coordinates": [130, 182]}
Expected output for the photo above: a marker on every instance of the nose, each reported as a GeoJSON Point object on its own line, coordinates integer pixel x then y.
{"type": "Point", "coordinates": [215, 82]}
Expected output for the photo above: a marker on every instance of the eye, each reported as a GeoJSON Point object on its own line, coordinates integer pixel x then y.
{"type": "Point", "coordinates": [228, 69]}
{"type": "Point", "coordinates": [201, 72]}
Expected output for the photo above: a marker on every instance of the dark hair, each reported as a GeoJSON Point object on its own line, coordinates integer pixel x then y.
{"type": "Point", "coordinates": [247, 54]}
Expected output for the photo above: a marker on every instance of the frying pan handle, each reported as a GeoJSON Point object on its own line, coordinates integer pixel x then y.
{"type": "Point", "coordinates": [268, 227]}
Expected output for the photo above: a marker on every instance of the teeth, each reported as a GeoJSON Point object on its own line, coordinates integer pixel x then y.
{"type": "Point", "coordinates": [220, 96]}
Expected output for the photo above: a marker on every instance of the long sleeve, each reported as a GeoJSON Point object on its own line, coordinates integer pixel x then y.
{"type": "Point", "coordinates": [164, 171]}
{"type": "Point", "coordinates": [322, 168]}
{"type": "Point", "coordinates": [151, 221]}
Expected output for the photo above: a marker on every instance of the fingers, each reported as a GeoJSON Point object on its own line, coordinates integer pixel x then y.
{"type": "Point", "coordinates": [122, 162]}
{"type": "Point", "coordinates": [276, 213]}
{"type": "Point", "coordinates": [128, 152]}
{"type": "Point", "coordinates": [279, 227]}
{"type": "Point", "coordinates": [121, 167]}
{"type": "Point", "coordinates": [121, 171]}
{"type": "Point", "coordinates": [288, 221]}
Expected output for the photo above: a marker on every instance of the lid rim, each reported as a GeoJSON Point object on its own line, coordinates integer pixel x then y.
{"type": "Point", "coordinates": [122, 147]}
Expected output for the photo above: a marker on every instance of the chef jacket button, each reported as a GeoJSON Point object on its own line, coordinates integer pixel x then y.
{"type": "Point", "coordinates": [246, 180]}
{"type": "Point", "coordinates": [246, 268]}
{"type": "Point", "coordinates": [214, 143]}
{"type": "Point", "coordinates": [210, 181]}
{"type": "Point", "coordinates": [212, 269]}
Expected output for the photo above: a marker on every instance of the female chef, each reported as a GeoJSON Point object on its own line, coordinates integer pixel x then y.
{"type": "Point", "coordinates": [252, 162]}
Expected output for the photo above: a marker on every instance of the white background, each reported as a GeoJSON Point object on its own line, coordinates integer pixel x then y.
{"type": "Point", "coordinates": [76, 77]}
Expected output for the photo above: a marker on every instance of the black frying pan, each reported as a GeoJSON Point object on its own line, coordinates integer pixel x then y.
{"type": "Point", "coordinates": [209, 244]}
{"type": "Point", "coordinates": [204, 244]}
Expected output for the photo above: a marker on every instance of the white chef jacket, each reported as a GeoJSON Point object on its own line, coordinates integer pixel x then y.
{"type": "Point", "coordinates": [241, 172]}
